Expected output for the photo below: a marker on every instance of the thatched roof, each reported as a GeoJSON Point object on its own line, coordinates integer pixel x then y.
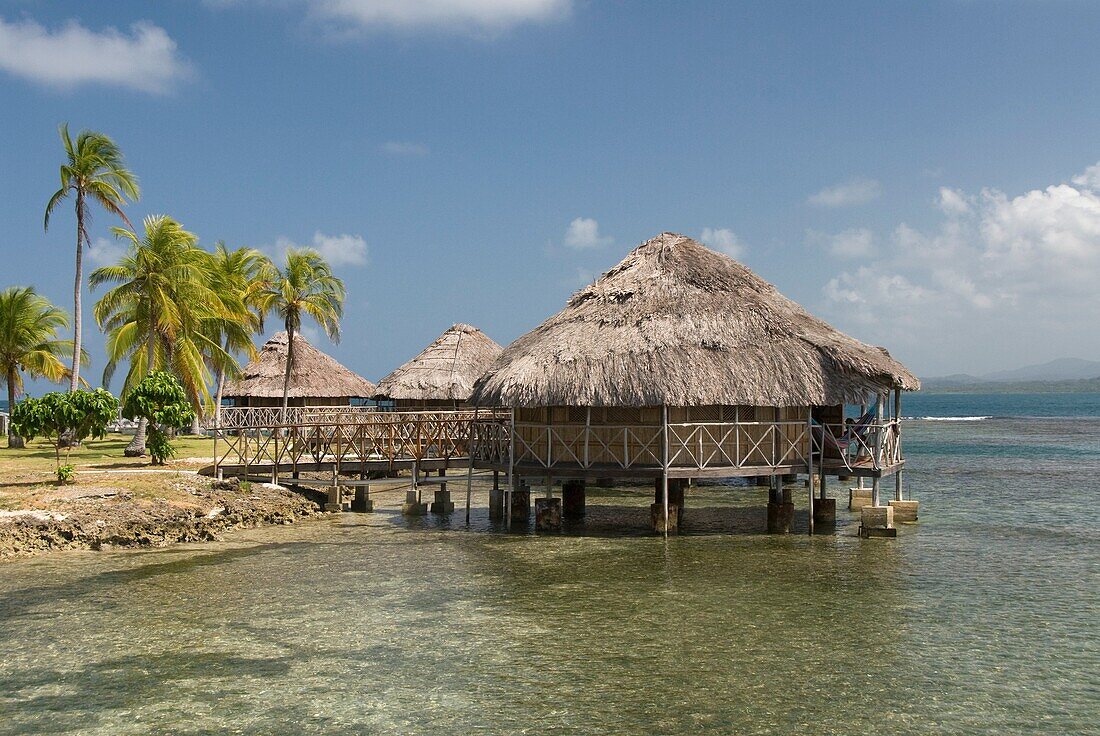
{"type": "Point", "coordinates": [445, 370]}
{"type": "Point", "coordinates": [676, 323]}
{"type": "Point", "coordinates": [313, 375]}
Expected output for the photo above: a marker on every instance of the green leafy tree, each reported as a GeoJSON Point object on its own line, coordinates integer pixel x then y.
{"type": "Point", "coordinates": [29, 324]}
{"type": "Point", "coordinates": [93, 171]}
{"type": "Point", "coordinates": [56, 416]}
{"type": "Point", "coordinates": [162, 402]}
{"type": "Point", "coordinates": [157, 315]}
{"type": "Point", "coordinates": [304, 287]}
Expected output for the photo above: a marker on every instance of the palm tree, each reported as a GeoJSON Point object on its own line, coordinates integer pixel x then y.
{"type": "Point", "coordinates": [239, 277]}
{"type": "Point", "coordinates": [94, 170]}
{"type": "Point", "coordinates": [28, 343]}
{"type": "Point", "coordinates": [304, 286]}
{"type": "Point", "coordinates": [155, 315]}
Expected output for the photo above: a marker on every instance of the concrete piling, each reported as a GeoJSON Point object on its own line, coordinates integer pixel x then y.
{"type": "Point", "coordinates": [573, 498]}
{"type": "Point", "coordinates": [362, 503]}
{"type": "Point", "coordinates": [905, 512]}
{"type": "Point", "coordinates": [548, 514]}
{"type": "Point", "coordinates": [412, 505]}
{"type": "Point", "coordinates": [521, 502]}
{"type": "Point", "coordinates": [877, 521]}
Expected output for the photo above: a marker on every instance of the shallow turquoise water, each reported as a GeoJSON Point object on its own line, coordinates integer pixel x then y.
{"type": "Point", "coordinates": [983, 618]}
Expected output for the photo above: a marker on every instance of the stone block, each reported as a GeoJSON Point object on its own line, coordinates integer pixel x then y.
{"type": "Point", "coordinates": [905, 512]}
{"type": "Point", "coordinates": [521, 504]}
{"type": "Point", "coordinates": [572, 499]}
{"type": "Point", "coordinates": [676, 488]}
{"type": "Point", "coordinates": [496, 503]}
{"type": "Point", "coordinates": [657, 517]}
{"type": "Point", "coordinates": [362, 503]}
{"type": "Point", "coordinates": [858, 498]}
{"type": "Point", "coordinates": [824, 511]}
{"type": "Point", "coordinates": [412, 505]}
{"type": "Point", "coordinates": [877, 521]}
{"type": "Point", "coordinates": [442, 503]}
{"type": "Point", "coordinates": [548, 514]}
{"type": "Point", "coordinates": [780, 516]}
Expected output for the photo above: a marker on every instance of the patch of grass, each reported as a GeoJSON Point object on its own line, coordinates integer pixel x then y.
{"type": "Point", "coordinates": [28, 475]}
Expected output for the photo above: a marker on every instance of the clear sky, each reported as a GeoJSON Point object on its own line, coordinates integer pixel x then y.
{"type": "Point", "coordinates": [924, 175]}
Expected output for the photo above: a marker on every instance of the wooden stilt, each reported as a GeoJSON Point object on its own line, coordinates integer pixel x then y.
{"type": "Point", "coordinates": [810, 470]}
{"type": "Point", "coordinates": [664, 463]}
{"type": "Point", "coordinates": [469, 487]}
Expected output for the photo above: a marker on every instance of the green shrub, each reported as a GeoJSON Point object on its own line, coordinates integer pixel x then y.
{"type": "Point", "coordinates": [161, 401]}
{"type": "Point", "coordinates": [65, 475]}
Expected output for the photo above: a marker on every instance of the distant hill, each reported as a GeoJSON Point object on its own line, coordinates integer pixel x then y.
{"type": "Point", "coordinates": [1064, 375]}
{"type": "Point", "coordinates": [1062, 369]}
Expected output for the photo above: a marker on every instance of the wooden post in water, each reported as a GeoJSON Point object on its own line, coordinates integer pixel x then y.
{"type": "Point", "coordinates": [664, 464]}
{"type": "Point", "coordinates": [511, 488]}
{"type": "Point", "coordinates": [810, 469]}
{"type": "Point", "coordinates": [877, 461]}
{"type": "Point", "coordinates": [897, 440]}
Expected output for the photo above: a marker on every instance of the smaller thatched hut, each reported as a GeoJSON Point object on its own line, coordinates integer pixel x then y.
{"type": "Point", "coordinates": [316, 379]}
{"type": "Point", "coordinates": [443, 374]}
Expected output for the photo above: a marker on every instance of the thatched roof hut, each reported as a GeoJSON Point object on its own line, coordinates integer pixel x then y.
{"type": "Point", "coordinates": [677, 324]}
{"type": "Point", "coordinates": [445, 371]}
{"type": "Point", "coordinates": [315, 378]}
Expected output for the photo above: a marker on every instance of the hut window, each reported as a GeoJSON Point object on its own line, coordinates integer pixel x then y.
{"type": "Point", "coordinates": [705, 413]}
{"type": "Point", "coordinates": [577, 415]}
{"type": "Point", "coordinates": [623, 415]}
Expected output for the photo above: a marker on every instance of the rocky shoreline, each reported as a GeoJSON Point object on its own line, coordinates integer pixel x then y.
{"type": "Point", "coordinates": [119, 520]}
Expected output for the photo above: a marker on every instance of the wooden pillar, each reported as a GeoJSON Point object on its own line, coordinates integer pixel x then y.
{"type": "Point", "coordinates": [511, 488]}
{"type": "Point", "coordinates": [664, 463]}
{"type": "Point", "coordinates": [572, 499]}
{"type": "Point", "coordinates": [875, 499]}
{"type": "Point", "coordinates": [810, 470]}
{"type": "Point", "coordinates": [469, 486]}
{"type": "Point", "coordinates": [897, 423]}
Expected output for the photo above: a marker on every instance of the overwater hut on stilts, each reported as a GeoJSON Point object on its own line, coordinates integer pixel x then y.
{"type": "Point", "coordinates": [442, 376]}
{"type": "Point", "coordinates": [316, 380]}
{"type": "Point", "coordinates": [681, 363]}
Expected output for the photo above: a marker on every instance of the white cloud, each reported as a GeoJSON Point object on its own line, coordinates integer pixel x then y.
{"type": "Point", "coordinates": [584, 233]}
{"type": "Point", "coordinates": [104, 252]}
{"type": "Point", "coordinates": [1089, 178]}
{"type": "Point", "coordinates": [145, 59]}
{"type": "Point", "coordinates": [338, 250]}
{"type": "Point", "coordinates": [849, 193]}
{"type": "Point", "coordinates": [443, 14]}
{"type": "Point", "coordinates": [724, 240]}
{"type": "Point", "coordinates": [462, 16]}
{"type": "Point", "coordinates": [999, 278]}
{"type": "Point", "coordinates": [853, 243]}
{"type": "Point", "coordinates": [405, 148]}
{"type": "Point", "coordinates": [953, 202]}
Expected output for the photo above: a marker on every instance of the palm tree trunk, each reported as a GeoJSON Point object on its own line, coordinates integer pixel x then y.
{"type": "Point", "coordinates": [14, 440]}
{"type": "Point", "coordinates": [286, 371]}
{"type": "Point", "coordinates": [78, 286]}
{"type": "Point", "coordinates": [221, 387]}
{"type": "Point", "coordinates": [136, 448]}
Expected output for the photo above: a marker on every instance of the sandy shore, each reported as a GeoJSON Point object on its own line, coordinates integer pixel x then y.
{"type": "Point", "coordinates": [199, 509]}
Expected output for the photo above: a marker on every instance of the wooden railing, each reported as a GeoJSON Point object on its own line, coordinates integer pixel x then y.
{"type": "Point", "coordinates": [875, 446]}
{"type": "Point", "coordinates": [259, 437]}
{"type": "Point", "coordinates": [697, 445]}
